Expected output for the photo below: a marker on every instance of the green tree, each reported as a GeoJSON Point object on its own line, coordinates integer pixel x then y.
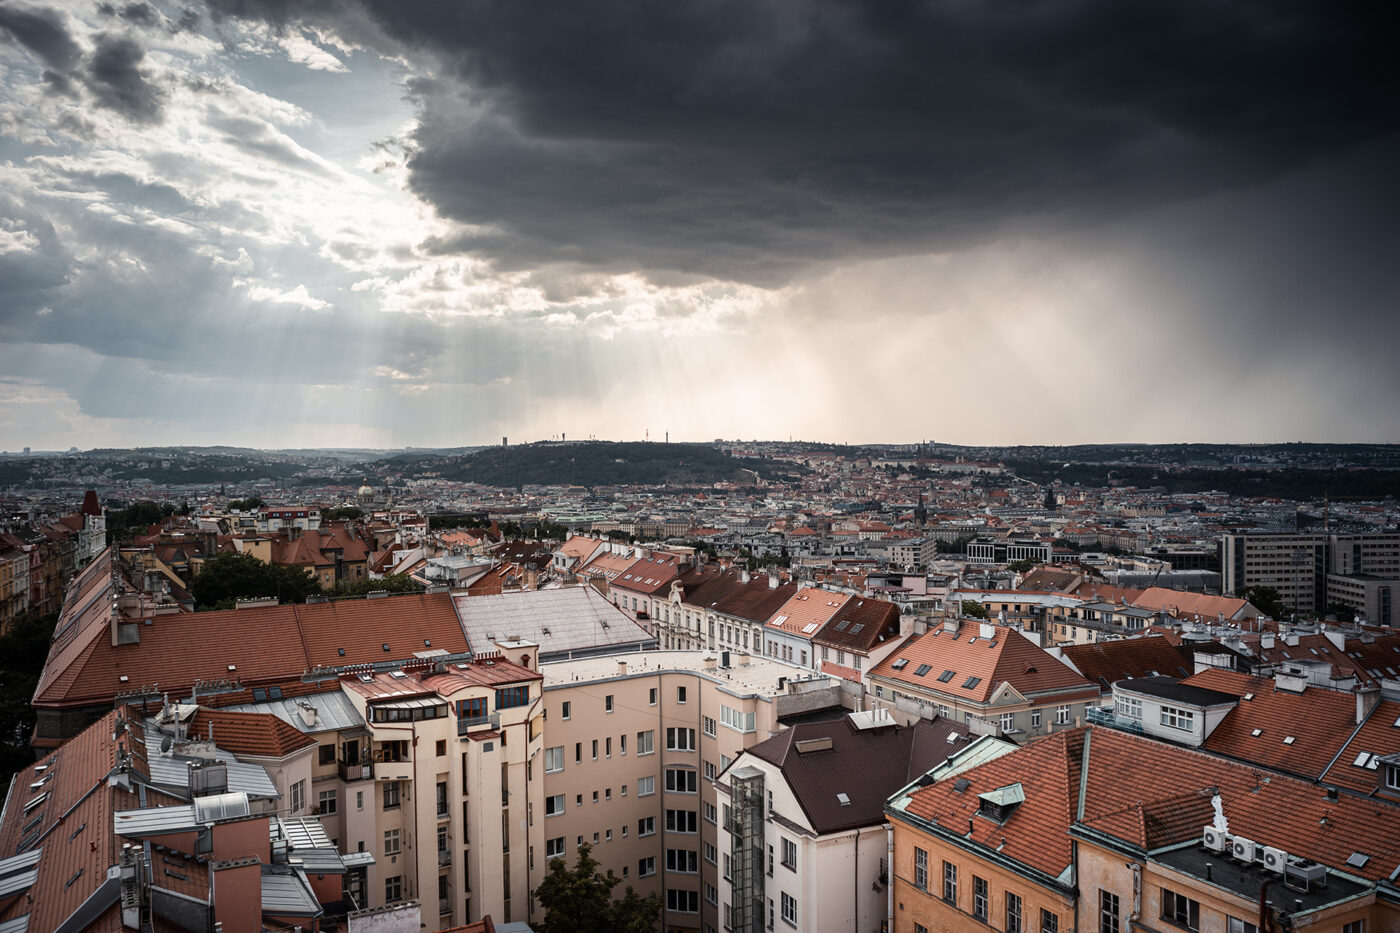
{"type": "Point", "coordinates": [23, 648]}
{"type": "Point", "coordinates": [229, 577]}
{"type": "Point", "coordinates": [245, 505]}
{"type": "Point", "coordinates": [393, 583]}
{"type": "Point", "coordinates": [579, 900]}
{"type": "Point", "coordinates": [1265, 599]}
{"type": "Point", "coordinates": [973, 609]}
{"type": "Point", "coordinates": [1021, 566]}
{"type": "Point", "coordinates": [348, 513]}
{"type": "Point", "coordinates": [1342, 612]}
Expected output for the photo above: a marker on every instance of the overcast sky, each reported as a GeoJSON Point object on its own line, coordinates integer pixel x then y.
{"type": "Point", "coordinates": [378, 223]}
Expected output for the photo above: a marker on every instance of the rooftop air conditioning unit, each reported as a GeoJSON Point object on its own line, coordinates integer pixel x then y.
{"type": "Point", "coordinates": [1275, 860]}
{"type": "Point", "coordinates": [1215, 840]}
{"type": "Point", "coordinates": [1243, 849]}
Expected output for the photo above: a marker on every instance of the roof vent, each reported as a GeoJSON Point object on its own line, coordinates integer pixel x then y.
{"type": "Point", "coordinates": [961, 784]}
{"type": "Point", "coordinates": [843, 800]}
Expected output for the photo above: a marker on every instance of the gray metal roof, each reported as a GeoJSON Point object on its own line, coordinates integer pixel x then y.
{"type": "Point", "coordinates": [154, 821]}
{"type": "Point", "coordinates": [19, 872]}
{"type": "Point", "coordinates": [309, 844]}
{"type": "Point", "coordinates": [17, 925]}
{"type": "Point", "coordinates": [172, 771]}
{"type": "Point", "coordinates": [334, 711]}
{"type": "Point", "coordinates": [356, 859]}
{"type": "Point", "coordinates": [287, 893]}
{"type": "Point", "coordinates": [573, 618]}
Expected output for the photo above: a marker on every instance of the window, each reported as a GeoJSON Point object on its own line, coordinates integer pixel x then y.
{"type": "Point", "coordinates": [709, 813]}
{"type": "Point", "coordinates": [646, 867]}
{"type": "Point", "coordinates": [1108, 912]}
{"type": "Point", "coordinates": [950, 882]}
{"type": "Point", "coordinates": [770, 913]}
{"type": "Point", "coordinates": [736, 719]}
{"type": "Point", "coordinates": [595, 749]}
{"type": "Point", "coordinates": [553, 806]}
{"type": "Point", "coordinates": [979, 898]}
{"type": "Point", "coordinates": [789, 854]}
{"type": "Point", "coordinates": [680, 781]}
{"type": "Point", "coordinates": [326, 802]}
{"type": "Point", "coordinates": [1013, 913]}
{"type": "Point", "coordinates": [565, 709]}
{"type": "Point", "coordinates": [728, 863]}
{"type": "Point", "coordinates": [710, 853]}
{"type": "Point", "coordinates": [682, 860]}
{"type": "Point", "coordinates": [920, 928]}
{"type": "Point", "coordinates": [1356, 926]}
{"type": "Point", "coordinates": [646, 826]}
{"type": "Point", "coordinates": [1050, 923]}
{"type": "Point", "coordinates": [1176, 718]}
{"type": "Point", "coordinates": [646, 785]}
{"type": "Point", "coordinates": [680, 694]}
{"type": "Point", "coordinates": [511, 697]}
{"type": "Point", "coordinates": [554, 759]}
{"type": "Point", "coordinates": [1008, 722]}
{"type": "Point", "coordinates": [682, 902]}
{"type": "Point", "coordinates": [298, 797]}
{"type": "Point", "coordinates": [711, 895]}
{"type": "Point", "coordinates": [1128, 707]}
{"type": "Point", "coordinates": [920, 869]}
{"type": "Point", "coordinates": [578, 752]}
{"type": "Point", "coordinates": [1236, 925]}
{"type": "Point", "coordinates": [645, 742]}
{"type": "Point", "coordinates": [440, 748]}
{"type": "Point", "coordinates": [680, 821]}
{"type": "Point", "coordinates": [709, 726]}
{"type": "Point", "coordinates": [393, 888]}
{"type": "Point", "coordinates": [789, 908]}
{"type": "Point", "coordinates": [711, 772]}
{"type": "Point", "coordinates": [622, 744]}
{"type": "Point", "coordinates": [327, 754]}
{"type": "Point", "coordinates": [607, 747]}
{"type": "Point", "coordinates": [393, 841]}
{"type": "Point", "coordinates": [1180, 910]}
{"type": "Point", "coordinates": [770, 861]}
{"type": "Point", "coordinates": [1035, 719]}
{"type": "Point", "coordinates": [608, 703]}
{"type": "Point", "coordinates": [391, 795]}
{"type": "Point", "coordinates": [680, 740]}
{"type": "Point", "coordinates": [1061, 715]}
{"type": "Point", "coordinates": [554, 848]}
{"type": "Point", "coordinates": [651, 697]}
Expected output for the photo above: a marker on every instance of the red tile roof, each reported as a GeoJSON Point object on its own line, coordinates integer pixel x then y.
{"type": "Point", "coordinates": [1128, 796]}
{"type": "Point", "coordinates": [258, 734]}
{"type": "Point", "coordinates": [1107, 662]}
{"type": "Point", "coordinates": [255, 645]}
{"type": "Point", "coordinates": [1318, 721]}
{"type": "Point", "coordinates": [1379, 735]}
{"type": "Point", "coordinates": [860, 625]}
{"type": "Point", "coordinates": [1006, 657]}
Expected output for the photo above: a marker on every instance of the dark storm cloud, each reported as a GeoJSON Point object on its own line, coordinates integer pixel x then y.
{"type": "Point", "coordinates": [119, 83]}
{"type": "Point", "coordinates": [746, 139]}
{"type": "Point", "coordinates": [43, 32]}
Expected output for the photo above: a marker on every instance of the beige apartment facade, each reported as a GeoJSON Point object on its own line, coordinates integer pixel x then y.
{"type": "Point", "coordinates": [633, 746]}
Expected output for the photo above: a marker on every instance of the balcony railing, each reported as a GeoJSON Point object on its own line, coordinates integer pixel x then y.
{"type": "Point", "coordinates": [444, 857]}
{"type": "Point", "coordinates": [1105, 716]}
{"type": "Point", "coordinates": [356, 771]}
{"type": "Point", "coordinates": [444, 906]}
{"type": "Point", "coordinates": [464, 725]}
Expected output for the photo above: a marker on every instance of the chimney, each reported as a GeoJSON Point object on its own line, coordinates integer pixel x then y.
{"type": "Point", "coordinates": [1367, 698]}
{"type": "Point", "coordinates": [952, 625]}
{"type": "Point", "coordinates": [986, 630]}
{"type": "Point", "coordinates": [744, 576]}
{"type": "Point", "coordinates": [772, 581]}
{"type": "Point", "coordinates": [308, 713]}
{"type": "Point", "coordinates": [622, 668]}
{"type": "Point", "coordinates": [1266, 641]}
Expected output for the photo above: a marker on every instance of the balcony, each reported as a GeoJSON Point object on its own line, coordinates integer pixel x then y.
{"type": "Point", "coordinates": [1105, 716]}
{"type": "Point", "coordinates": [468, 724]}
{"type": "Point", "coordinates": [444, 906]}
{"type": "Point", "coordinates": [355, 771]}
{"type": "Point", "coordinates": [444, 858]}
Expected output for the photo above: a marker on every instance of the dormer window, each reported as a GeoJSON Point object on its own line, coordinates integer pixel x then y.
{"type": "Point", "coordinates": [1000, 803]}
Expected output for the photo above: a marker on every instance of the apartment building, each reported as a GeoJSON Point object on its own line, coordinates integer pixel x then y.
{"type": "Point", "coordinates": [788, 634]}
{"type": "Point", "coordinates": [638, 741]}
{"type": "Point", "coordinates": [1081, 831]}
{"type": "Point", "coordinates": [1298, 565]}
{"type": "Point", "coordinates": [988, 672]}
{"type": "Point", "coordinates": [802, 835]}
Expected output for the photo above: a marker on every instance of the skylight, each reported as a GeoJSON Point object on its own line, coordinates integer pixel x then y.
{"type": "Point", "coordinates": [971, 682]}
{"type": "Point", "coordinates": [922, 669]}
{"type": "Point", "coordinates": [944, 677]}
{"type": "Point", "coordinates": [1288, 740]}
{"type": "Point", "coordinates": [1257, 732]}
{"type": "Point", "coordinates": [1358, 860]}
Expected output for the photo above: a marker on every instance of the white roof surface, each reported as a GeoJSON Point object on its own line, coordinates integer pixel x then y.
{"type": "Point", "coordinates": [573, 618]}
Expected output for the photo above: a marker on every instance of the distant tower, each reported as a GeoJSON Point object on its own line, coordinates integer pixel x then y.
{"type": "Point", "coordinates": [503, 440]}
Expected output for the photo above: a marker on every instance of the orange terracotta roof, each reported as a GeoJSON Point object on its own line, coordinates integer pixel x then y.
{"type": "Point", "coordinates": [1318, 721]}
{"type": "Point", "coordinates": [258, 734]}
{"type": "Point", "coordinates": [807, 607]}
{"type": "Point", "coordinates": [1379, 735]}
{"type": "Point", "coordinates": [975, 667]}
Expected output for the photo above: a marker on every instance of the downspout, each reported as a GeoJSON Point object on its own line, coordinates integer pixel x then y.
{"type": "Point", "coordinates": [855, 889]}
{"type": "Point", "coordinates": [1137, 892]}
{"type": "Point", "coordinates": [889, 876]}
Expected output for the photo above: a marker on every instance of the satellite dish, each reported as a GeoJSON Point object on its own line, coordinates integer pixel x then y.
{"type": "Point", "coordinates": [165, 744]}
